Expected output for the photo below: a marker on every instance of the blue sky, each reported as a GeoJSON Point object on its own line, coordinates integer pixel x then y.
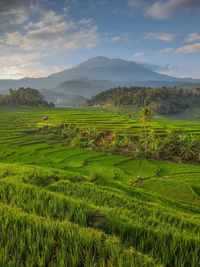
{"type": "Point", "coordinates": [38, 38]}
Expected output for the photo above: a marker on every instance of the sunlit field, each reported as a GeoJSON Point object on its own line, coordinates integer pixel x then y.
{"type": "Point", "coordinates": [64, 206]}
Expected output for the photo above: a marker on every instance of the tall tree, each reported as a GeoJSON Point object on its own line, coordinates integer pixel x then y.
{"type": "Point", "coordinates": [145, 117]}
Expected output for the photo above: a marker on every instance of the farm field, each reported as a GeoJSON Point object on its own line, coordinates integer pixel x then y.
{"type": "Point", "coordinates": [62, 206]}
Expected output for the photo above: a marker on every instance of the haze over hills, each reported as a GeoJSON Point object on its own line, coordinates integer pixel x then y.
{"type": "Point", "coordinates": [95, 75]}
{"type": "Point", "coordinates": [63, 100]}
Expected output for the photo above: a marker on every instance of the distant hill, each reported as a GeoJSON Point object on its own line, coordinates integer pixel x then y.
{"type": "Point", "coordinates": [98, 74]}
{"type": "Point", "coordinates": [163, 100]}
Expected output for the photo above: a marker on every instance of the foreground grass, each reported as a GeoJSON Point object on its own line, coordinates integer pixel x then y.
{"type": "Point", "coordinates": [72, 207]}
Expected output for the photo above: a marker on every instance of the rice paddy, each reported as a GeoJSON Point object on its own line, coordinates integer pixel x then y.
{"type": "Point", "coordinates": [62, 206]}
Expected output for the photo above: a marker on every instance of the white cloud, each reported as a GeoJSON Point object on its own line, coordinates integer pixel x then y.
{"type": "Point", "coordinates": [19, 65]}
{"type": "Point", "coordinates": [193, 37]}
{"type": "Point", "coordinates": [20, 71]}
{"type": "Point", "coordinates": [162, 36]}
{"type": "Point", "coordinates": [58, 69]}
{"type": "Point", "coordinates": [86, 22]}
{"type": "Point", "coordinates": [21, 59]}
{"type": "Point", "coordinates": [83, 38]}
{"type": "Point", "coordinates": [139, 54]}
{"type": "Point", "coordinates": [114, 39]}
{"type": "Point", "coordinates": [12, 19]}
{"type": "Point", "coordinates": [165, 69]}
{"type": "Point", "coordinates": [13, 39]}
{"type": "Point", "coordinates": [164, 9]}
{"type": "Point", "coordinates": [168, 50]}
{"type": "Point", "coordinates": [168, 70]}
{"type": "Point", "coordinates": [16, 13]}
{"type": "Point", "coordinates": [187, 49]}
{"type": "Point", "coordinates": [53, 31]}
{"type": "Point", "coordinates": [27, 43]}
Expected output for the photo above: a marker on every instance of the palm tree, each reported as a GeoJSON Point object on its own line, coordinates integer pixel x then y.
{"type": "Point", "coordinates": [145, 116]}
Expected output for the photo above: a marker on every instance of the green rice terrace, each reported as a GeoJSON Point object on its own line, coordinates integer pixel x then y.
{"type": "Point", "coordinates": [73, 207]}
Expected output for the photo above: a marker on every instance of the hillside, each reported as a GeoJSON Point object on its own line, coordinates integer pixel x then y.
{"type": "Point", "coordinates": [163, 100]}
{"type": "Point", "coordinates": [75, 207]}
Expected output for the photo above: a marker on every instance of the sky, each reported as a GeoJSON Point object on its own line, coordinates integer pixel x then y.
{"type": "Point", "coordinates": [40, 37]}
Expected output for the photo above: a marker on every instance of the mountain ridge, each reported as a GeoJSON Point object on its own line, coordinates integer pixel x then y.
{"type": "Point", "coordinates": [98, 74]}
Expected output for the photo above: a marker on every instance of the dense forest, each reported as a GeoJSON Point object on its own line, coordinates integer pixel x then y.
{"type": "Point", "coordinates": [24, 96]}
{"type": "Point", "coordinates": [163, 100]}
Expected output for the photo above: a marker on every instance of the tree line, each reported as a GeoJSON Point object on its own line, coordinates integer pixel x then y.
{"type": "Point", "coordinates": [24, 96]}
{"type": "Point", "coordinates": [163, 100]}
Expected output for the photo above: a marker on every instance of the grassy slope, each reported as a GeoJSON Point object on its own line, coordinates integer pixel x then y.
{"type": "Point", "coordinates": [49, 193]}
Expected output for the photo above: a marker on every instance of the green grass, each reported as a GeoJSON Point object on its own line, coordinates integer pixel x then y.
{"type": "Point", "coordinates": [72, 207]}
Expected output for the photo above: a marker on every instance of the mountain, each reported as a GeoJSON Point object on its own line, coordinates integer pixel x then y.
{"type": "Point", "coordinates": [115, 70]}
{"type": "Point", "coordinates": [98, 74]}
